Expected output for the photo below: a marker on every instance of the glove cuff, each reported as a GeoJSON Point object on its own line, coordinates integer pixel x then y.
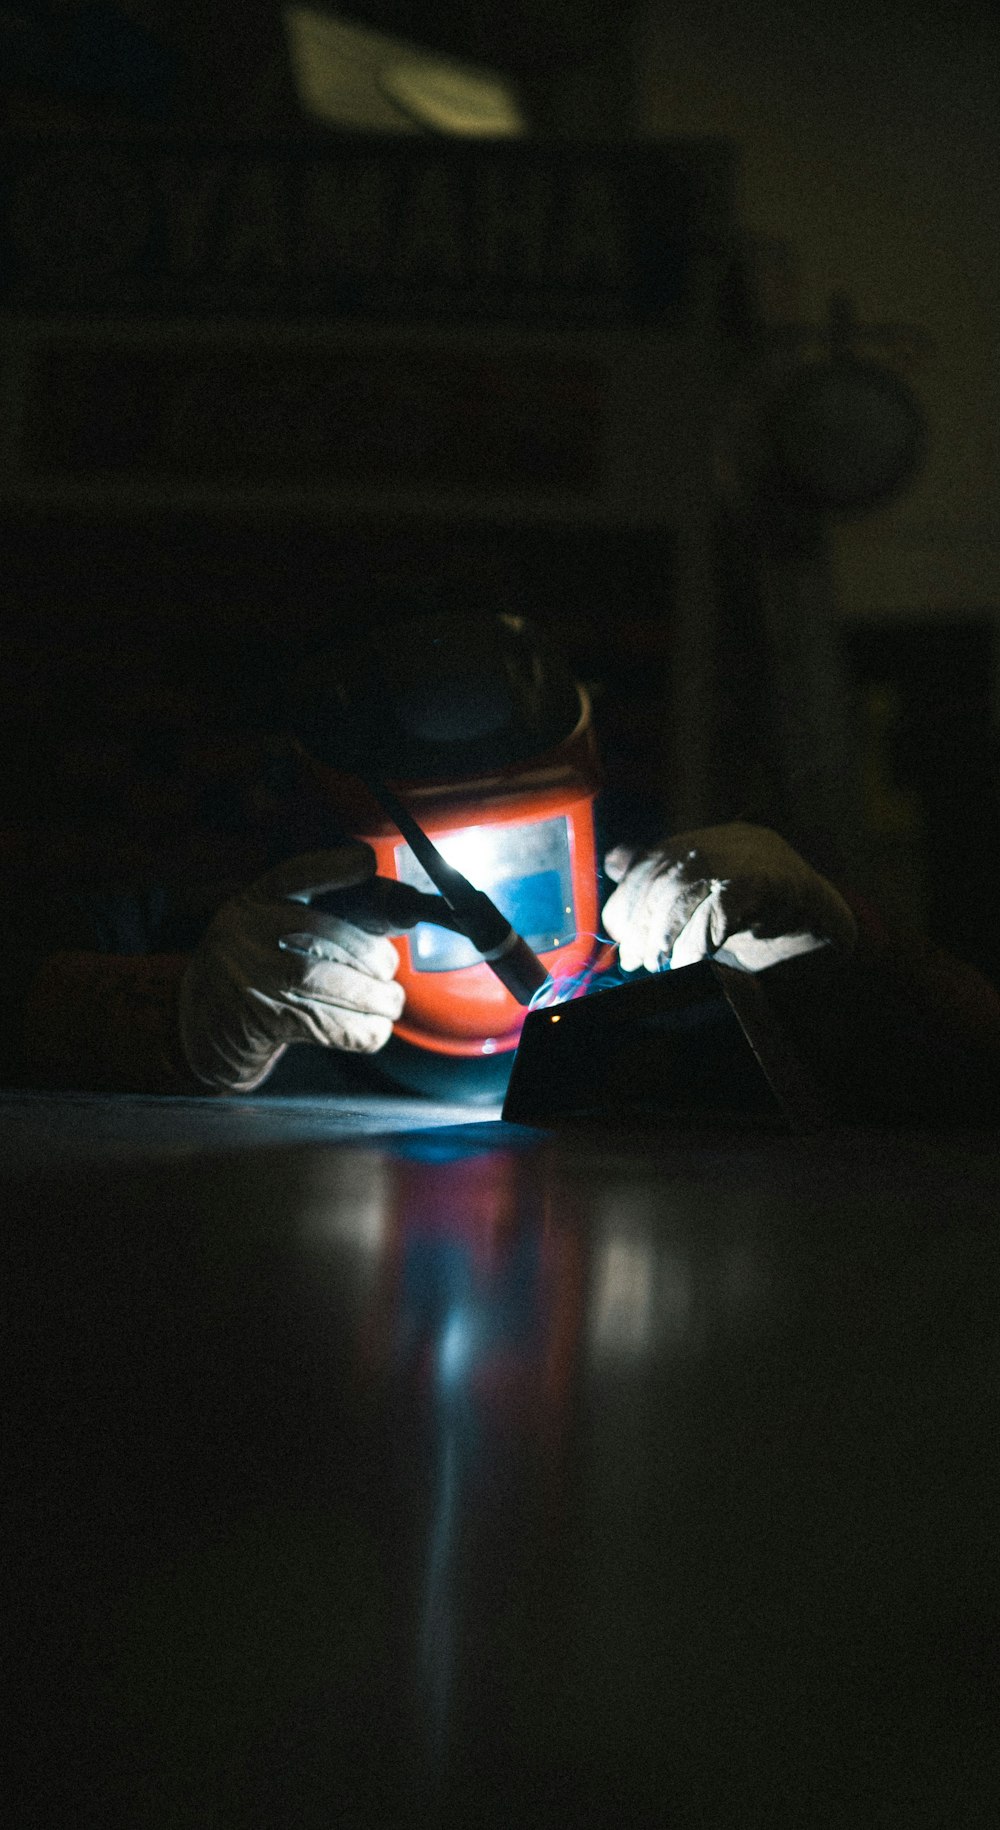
{"type": "Point", "coordinates": [216, 1060]}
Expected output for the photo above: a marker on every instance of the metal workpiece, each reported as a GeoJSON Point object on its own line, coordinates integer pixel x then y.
{"type": "Point", "coordinates": [699, 1044]}
{"type": "Point", "coordinates": [475, 1474]}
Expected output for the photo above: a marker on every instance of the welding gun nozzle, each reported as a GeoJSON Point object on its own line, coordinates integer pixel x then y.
{"type": "Point", "coordinates": [519, 969]}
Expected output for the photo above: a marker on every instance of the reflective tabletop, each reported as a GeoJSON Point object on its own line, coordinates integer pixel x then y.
{"type": "Point", "coordinates": [469, 1474]}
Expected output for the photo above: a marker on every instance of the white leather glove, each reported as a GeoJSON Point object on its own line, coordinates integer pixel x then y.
{"type": "Point", "coordinates": [737, 893]}
{"type": "Point", "coordinates": [271, 970]}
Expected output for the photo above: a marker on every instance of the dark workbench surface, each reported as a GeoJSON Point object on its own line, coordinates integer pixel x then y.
{"type": "Point", "coordinates": [42, 1131]}
{"type": "Point", "coordinates": [412, 1473]}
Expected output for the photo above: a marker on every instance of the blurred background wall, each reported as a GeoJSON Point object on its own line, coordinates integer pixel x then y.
{"type": "Point", "coordinates": [869, 142]}
{"type": "Point", "coordinates": [867, 164]}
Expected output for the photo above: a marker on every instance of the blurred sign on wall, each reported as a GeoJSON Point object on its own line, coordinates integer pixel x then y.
{"type": "Point", "coordinates": [382, 227]}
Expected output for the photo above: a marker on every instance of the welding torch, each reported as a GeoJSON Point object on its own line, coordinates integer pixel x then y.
{"type": "Point", "coordinates": [458, 905]}
{"type": "Point", "coordinates": [476, 916]}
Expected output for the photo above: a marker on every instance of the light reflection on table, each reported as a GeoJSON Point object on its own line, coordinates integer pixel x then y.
{"type": "Point", "coordinates": [479, 1476]}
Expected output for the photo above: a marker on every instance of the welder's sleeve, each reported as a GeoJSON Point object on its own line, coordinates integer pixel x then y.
{"type": "Point", "coordinates": [97, 1022]}
{"type": "Point", "coordinates": [902, 1033]}
{"type": "Point", "coordinates": [89, 988]}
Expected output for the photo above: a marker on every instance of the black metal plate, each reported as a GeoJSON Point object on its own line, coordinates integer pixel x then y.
{"type": "Point", "coordinates": [696, 1042]}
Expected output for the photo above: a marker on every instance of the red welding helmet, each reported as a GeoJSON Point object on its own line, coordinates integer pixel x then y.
{"type": "Point", "coordinates": [481, 728]}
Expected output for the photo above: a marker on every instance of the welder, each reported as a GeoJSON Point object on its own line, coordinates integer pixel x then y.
{"type": "Point", "coordinates": [492, 736]}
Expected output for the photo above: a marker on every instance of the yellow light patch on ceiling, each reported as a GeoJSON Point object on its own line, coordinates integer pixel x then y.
{"type": "Point", "coordinates": [352, 77]}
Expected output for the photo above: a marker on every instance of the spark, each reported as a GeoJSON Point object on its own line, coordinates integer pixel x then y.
{"type": "Point", "coordinates": [562, 987]}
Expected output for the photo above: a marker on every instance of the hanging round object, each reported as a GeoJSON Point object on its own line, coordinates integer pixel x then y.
{"type": "Point", "coordinates": [847, 434]}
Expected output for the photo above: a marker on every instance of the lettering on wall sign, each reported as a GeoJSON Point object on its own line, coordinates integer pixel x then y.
{"type": "Point", "coordinates": [399, 228]}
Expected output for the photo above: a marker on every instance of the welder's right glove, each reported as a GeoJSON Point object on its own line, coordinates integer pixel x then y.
{"type": "Point", "coordinates": [272, 970]}
{"type": "Point", "coordinates": [737, 893]}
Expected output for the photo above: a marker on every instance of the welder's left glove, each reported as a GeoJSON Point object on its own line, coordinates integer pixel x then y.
{"type": "Point", "coordinates": [737, 893]}
{"type": "Point", "coordinates": [274, 969]}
